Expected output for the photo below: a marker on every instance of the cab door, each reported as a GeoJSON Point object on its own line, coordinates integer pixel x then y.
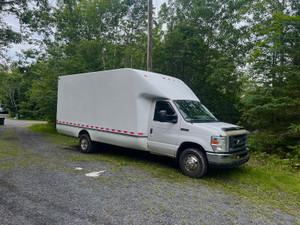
{"type": "Point", "coordinates": [163, 128]}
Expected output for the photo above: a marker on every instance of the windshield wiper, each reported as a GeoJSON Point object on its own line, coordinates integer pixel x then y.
{"type": "Point", "coordinates": [201, 120]}
{"type": "Point", "coordinates": [211, 120]}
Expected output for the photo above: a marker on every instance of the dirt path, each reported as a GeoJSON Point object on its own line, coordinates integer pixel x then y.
{"type": "Point", "coordinates": [40, 184]}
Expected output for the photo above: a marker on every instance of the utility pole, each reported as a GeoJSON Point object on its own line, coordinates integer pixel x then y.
{"type": "Point", "coordinates": [149, 49]}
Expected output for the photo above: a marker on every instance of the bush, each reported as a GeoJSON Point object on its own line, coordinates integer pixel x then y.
{"type": "Point", "coordinates": [286, 146]}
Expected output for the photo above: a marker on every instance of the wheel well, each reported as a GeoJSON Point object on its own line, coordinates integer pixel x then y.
{"type": "Point", "coordinates": [186, 145]}
{"type": "Point", "coordinates": [83, 132]}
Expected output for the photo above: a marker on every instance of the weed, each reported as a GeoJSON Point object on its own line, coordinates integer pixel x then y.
{"type": "Point", "coordinates": [13, 156]}
{"type": "Point", "coordinates": [9, 134]}
{"type": "Point", "coordinates": [44, 128]}
{"type": "Point", "coordinates": [55, 137]}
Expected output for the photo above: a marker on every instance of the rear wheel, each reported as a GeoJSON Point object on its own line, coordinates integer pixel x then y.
{"type": "Point", "coordinates": [193, 163]}
{"type": "Point", "coordinates": [86, 145]}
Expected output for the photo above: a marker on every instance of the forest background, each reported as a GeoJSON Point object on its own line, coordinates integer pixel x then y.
{"type": "Point", "coordinates": [240, 57]}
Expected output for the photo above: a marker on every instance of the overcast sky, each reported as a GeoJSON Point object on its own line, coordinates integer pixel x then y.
{"type": "Point", "coordinates": [14, 23]}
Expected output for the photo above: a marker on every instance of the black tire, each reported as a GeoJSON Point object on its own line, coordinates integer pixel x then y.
{"type": "Point", "coordinates": [86, 145]}
{"type": "Point", "coordinates": [193, 163]}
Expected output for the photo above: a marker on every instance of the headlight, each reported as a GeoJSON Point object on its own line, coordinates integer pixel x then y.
{"type": "Point", "coordinates": [218, 144]}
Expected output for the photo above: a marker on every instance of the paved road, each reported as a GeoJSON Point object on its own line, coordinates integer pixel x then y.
{"type": "Point", "coordinates": [20, 123]}
{"type": "Point", "coordinates": [39, 184]}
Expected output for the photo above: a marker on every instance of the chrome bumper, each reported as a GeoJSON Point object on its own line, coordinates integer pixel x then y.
{"type": "Point", "coordinates": [231, 159]}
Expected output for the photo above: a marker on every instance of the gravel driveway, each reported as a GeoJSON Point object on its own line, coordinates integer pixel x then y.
{"type": "Point", "coordinates": [40, 183]}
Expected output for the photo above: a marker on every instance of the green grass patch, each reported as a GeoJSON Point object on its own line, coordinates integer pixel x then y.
{"type": "Point", "coordinates": [12, 154]}
{"type": "Point", "coordinates": [64, 140]}
{"type": "Point", "coordinates": [9, 134]}
{"type": "Point", "coordinates": [8, 148]}
{"type": "Point", "coordinates": [55, 137]}
{"type": "Point", "coordinates": [277, 189]}
{"type": "Point", "coordinates": [44, 128]}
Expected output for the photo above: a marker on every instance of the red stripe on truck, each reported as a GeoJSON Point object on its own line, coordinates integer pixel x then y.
{"type": "Point", "coordinates": [102, 128]}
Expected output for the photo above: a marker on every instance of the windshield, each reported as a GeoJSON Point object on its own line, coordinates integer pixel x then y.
{"type": "Point", "coordinates": [194, 111]}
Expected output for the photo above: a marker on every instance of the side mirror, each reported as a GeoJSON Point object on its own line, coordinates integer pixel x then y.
{"type": "Point", "coordinates": [164, 117]}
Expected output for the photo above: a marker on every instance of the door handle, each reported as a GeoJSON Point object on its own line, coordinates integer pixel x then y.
{"type": "Point", "coordinates": [151, 130]}
{"type": "Point", "coordinates": [184, 129]}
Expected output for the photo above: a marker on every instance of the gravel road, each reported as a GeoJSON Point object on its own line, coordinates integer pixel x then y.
{"type": "Point", "coordinates": [39, 185]}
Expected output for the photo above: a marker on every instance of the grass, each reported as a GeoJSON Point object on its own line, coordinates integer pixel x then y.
{"type": "Point", "coordinates": [44, 128]}
{"type": "Point", "coordinates": [265, 181]}
{"type": "Point", "coordinates": [12, 155]}
{"type": "Point", "coordinates": [277, 189]}
{"type": "Point", "coordinates": [55, 137]}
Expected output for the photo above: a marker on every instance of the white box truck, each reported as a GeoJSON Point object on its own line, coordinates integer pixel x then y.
{"type": "Point", "coordinates": [151, 112]}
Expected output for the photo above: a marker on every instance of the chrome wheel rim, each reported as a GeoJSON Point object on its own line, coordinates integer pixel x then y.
{"type": "Point", "coordinates": [84, 144]}
{"type": "Point", "coordinates": [191, 163]}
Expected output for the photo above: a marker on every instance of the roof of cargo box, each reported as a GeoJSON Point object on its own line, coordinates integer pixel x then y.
{"type": "Point", "coordinates": [163, 86]}
{"type": "Point", "coordinates": [147, 84]}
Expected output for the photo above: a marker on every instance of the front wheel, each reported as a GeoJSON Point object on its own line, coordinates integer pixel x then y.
{"type": "Point", "coordinates": [193, 163]}
{"type": "Point", "coordinates": [86, 145]}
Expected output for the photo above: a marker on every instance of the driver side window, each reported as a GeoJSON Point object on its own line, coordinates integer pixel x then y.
{"type": "Point", "coordinates": [162, 106]}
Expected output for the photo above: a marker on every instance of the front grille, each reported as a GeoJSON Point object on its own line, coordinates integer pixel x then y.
{"type": "Point", "coordinates": [238, 142]}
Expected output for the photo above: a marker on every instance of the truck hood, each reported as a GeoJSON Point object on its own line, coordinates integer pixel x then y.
{"type": "Point", "coordinates": [214, 128]}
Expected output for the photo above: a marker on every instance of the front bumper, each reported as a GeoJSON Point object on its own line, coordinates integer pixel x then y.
{"type": "Point", "coordinates": [231, 159]}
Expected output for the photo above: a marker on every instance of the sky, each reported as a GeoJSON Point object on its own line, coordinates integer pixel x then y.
{"type": "Point", "coordinates": [14, 24]}
{"type": "Point", "coordinates": [15, 49]}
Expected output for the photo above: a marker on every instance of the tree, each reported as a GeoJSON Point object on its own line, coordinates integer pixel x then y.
{"type": "Point", "coordinates": [275, 65]}
{"type": "Point", "coordinates": [203, 46]}
{"type": "Point", "coordinates": [7, 35]}
{"type": "Point", "coordinates": [218, 22]}
{"type": "Point", "coordinates": [11, 83]}
{"type": "Point", "coordinates": [272, 103]}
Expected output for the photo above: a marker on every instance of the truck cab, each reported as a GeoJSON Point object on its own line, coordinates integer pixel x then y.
{"type": "Point", "coordinates": [188, 131]}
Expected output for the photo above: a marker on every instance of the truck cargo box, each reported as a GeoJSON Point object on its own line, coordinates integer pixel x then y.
{"type": "Point", "coordinates": [116, 101]}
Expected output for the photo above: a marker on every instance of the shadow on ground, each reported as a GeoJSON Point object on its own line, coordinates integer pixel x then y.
{"type": "Point", "coordinates": [131, 155]}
